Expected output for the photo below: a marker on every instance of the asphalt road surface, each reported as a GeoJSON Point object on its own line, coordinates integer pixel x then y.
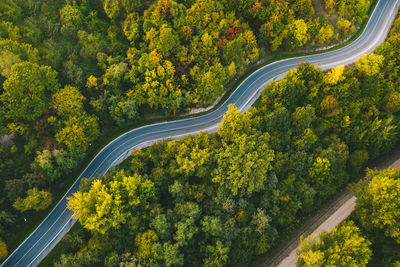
{"type": "Point", "coordinates": [59, 221]}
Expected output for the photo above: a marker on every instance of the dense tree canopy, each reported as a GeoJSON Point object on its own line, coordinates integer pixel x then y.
{"type": "Point", "coordinates": [35, 199]}
{"type": "Point", "coordinates": [74, 71]}
{"type": "Point", "coordinates": [27, 90]}
{"type": "Point", "coordinates": [224, 198]}
{"type": "Point", "coordinates": [378, 202]}
{"type": "Point", "coordinates": [343, 246]}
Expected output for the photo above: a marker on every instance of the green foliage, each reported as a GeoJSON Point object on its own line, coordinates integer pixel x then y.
{"type": "Point", "coordinates": [107, 206]}
{"type": "Point", "coordinates": [26, 91]}
{"type": "Point", "coordinates": [170, 56]}
{"type": "Point", "coordinates": [224, 198]}
{"type": "Point", "coordinates": [243, 165]}
{"type": "Point", "coordinates": [71, 19]}
{"type": "Point", "coordinates": [78, 132]}
{"type": "Point", "coordinates": [378, 203]}
{"type": "Point", "coordinates": [10, 10]}
{"type": "Point", "coordinates": [343, 246]}
{"type": "Point", "coordinates": [68, 101]}
{"type": "Point", "coordinates": [35, 200]}
{"type": "Point", "coordinates": [234, 124]}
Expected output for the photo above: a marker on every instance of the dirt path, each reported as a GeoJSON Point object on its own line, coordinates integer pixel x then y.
{"type": "Point", "coordinates": [336, 212]}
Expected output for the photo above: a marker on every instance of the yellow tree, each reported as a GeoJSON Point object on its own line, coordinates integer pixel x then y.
{"type": "Point", "coordinates": [369, 64]}
{"type": "Point", "coordinates": [378, 202]}
{"type": "Point", "coordinates": [68, 101]}
{"type": "Point", "coordinates": [298, 33]}
{"type": "Point", "coordinates": [335, 75]}
{"type": "Point", "coordinates": [343, 246]}
{"type": "Point", "coordinates": [3, 250]}
{"type": "Point", "coordinates": [234, 123]}
{"type": "Point", "coordinates": [35, 200]}
{"type": "Point", "coordinates": [325, 34]}
{"type": "Point", "coordinates": [109, 205]}
{"type": "Point", "coordinates": [144, 242]}
{"type": "Point", "coordinates": [78, 132]}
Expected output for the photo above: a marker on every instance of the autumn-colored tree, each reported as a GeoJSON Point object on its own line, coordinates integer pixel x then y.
{"type": "Point", "coordinates": [325, 34]}
{"type": "Point", "coordinates": [334, 76]}
{"type": "Point", "coordinates": [392, 102]}
{"type": "Point", "coordinates": [320, 172]}
{"type": "Point", "coordinates": [298, 34]}
{"type": "Point", "coordinates": [131, 27]}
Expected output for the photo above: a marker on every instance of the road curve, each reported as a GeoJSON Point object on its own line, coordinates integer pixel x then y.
{"type": "Point", "coordinates": [59, 221]}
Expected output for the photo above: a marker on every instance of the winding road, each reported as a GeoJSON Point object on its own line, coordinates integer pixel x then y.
{"type": "Point", "coordinates": [59, 221]}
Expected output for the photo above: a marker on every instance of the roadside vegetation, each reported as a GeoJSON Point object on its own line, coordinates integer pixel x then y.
{"type": "Point", "coordinates": [371, 237]}
{"type": "Point", "coordinates": [222, 199]}
{"type": "Point", "coordinates": [70, 70]}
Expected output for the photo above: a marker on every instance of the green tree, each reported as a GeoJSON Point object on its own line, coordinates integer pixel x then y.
{"type": "Point", "coordinates": [302, 117]}
{"type": "Point", "coordinates": [14, 52]}
{"type": "Point", "coordinates": [168, 254]}
{"type": "Point", "coordinates": [358, 160]}
{"type": "Point", "coordinates": [78, 132]}
{"type": "Point", "coordinates": [217, 255]}
{"type": "Point", "coordinates": [35, 200]}
{"type": "Point", "coordinates": [131, 27]}
{"type": "Point", "coordinates": [234, 123]}
{"type": "Point", "coordinates": [71, 19]}
{"type": "Point", "coordinates": [109, 205]}
{"type": "Point", "coordinates": [166, 42]}
{"type": "Point", "coordinates": [10, 11]}
{"type": "Point", "coordinates": [298, 35]}
{"type": "Point", "coordinates": [27, 89]}
{"type": "Point", "coordinates": [209, 82]}
{"type": "Point", "coordinates": [243, 165]}
{"type": "Point", "coordinates": [68, 101]}
{"type": "Point", "coordinates": [378, 202]}
{"type": "Point", "coordinates": [343, 246]}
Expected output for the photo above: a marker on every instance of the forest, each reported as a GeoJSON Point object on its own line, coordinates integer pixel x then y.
{"type": "Point", "coordinates": [222, 199]}
{"type": "Point", "coordinates": [371, 237]}
{"type": "Point", "coordinates": [70, 70]}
